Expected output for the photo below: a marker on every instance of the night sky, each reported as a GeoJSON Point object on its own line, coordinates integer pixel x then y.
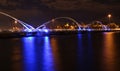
{"type": "Point", "coordinates": [40, 11]}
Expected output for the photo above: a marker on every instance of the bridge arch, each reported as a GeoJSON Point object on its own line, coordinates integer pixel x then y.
{"type": "Point", "coordinates": [96, 25]}
{"type": "Point", "coordinates": [25, 25]}
{"type": "Point", "coordinates": [68, 18]}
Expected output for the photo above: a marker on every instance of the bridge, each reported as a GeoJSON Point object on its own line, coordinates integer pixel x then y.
{"type": "Point", "coordinates": [61, 24]}
{"type": "Point", "coordinates": [27, 27]}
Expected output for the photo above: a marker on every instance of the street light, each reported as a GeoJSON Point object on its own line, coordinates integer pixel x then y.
{"type": "Point", "coordinates": [109, 17]}
{"type": "Point", "coordinates": [15, 21]}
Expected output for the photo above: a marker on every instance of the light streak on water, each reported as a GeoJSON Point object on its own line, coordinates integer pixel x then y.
{"type": "Point", "coordinates": [48, 63]}
{"type": "Point", "coordinates": [109, 52]}
{"type": "Point", "coordinates": [29, 54]}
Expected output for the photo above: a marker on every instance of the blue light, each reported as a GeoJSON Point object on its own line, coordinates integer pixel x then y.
{"type": "Point", "coordinates": [90, 51]}
{"type": "Point", "coordinates": [79, 35]}
{"type": "Point", "coordinates": [28, 30]}
{"type": "Point", "coordinates": [48, 61]}
{"type": "Point", "coordinates": [80, 52]}
{"type": "Point", "coordinates": [79, 29]}
{"type": "Point", "coordinates": [28, 34]}
{"type": "Point", "coordinates": [89, 29]}
{"type": "Point", "coordinates": [29, 54]}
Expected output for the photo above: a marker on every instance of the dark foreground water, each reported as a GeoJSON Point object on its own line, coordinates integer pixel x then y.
{"type": "Point", "coordinates": [98, 51]}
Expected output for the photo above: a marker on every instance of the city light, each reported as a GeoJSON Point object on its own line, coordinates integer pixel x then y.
{"type": "Point", "coordinates": [61, 24]}
{"type": "Point", "coordinates": [15, 22]}
{"type": "Point", "coordinates": [109, 17]}
{"type": "Point", "coordinates": [46, 30]}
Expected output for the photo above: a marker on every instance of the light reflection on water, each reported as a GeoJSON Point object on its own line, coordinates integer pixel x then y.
{"type": "Point", "coordinates": [82, 52]}
{"type": "Point", "coordinates": [90, 52]}
{"type": "Point", "coordinates": [109, 52]}
{"type": "Point", "coordinates": [48, 55]}
{"type": "Point", "coordinates": [29, 54]}
{"type": "Point", "coordinates": [85, 53]}
{"type": "Point", "coordinates": [31, 63]}
{"type": "Point", "coordinates": [55, 49]}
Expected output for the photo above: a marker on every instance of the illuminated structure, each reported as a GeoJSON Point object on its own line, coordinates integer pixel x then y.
{"type": "Point", "coordinates": [109, 17]}
{"type": "Point", "coordinates": [60, 24]}
{"type": "Point", "coordinates": [97, 25]}
{"type": "Point", "coordinates": [27, 27]}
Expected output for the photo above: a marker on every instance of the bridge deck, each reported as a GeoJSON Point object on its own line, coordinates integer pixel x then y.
{"type": "Point", "coordinates": [51, 32]}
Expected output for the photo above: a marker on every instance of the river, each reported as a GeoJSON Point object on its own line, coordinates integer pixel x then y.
{"type": "Point", "coordinates": [90, 51]}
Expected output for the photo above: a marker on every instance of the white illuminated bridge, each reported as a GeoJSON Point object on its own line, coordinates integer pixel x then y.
{"type": "Point", "coordinates": [16, 25]}
{"type": "Point", "coordinates": [56, 25]}
{"type": "Point", "coordinates": [60, 24]}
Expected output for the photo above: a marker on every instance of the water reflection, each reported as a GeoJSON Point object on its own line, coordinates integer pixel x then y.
{"type": "Point", "coordinates": [38, 54]}
{"type": "Point", "coordinates": [109, 52]}
{"type": "Point", "coordinates": [48, 56]}
{"type": "Point", "coordinates": [16, 56]}
{"type": "Point", "coordinates": [90, 52]}
{"type": "Point", "coordinates": [80, 53]}
{"type": "Point", "coordinates": [95, 52]}
{"type": "Point", "coordinates": [16, 59]}
{"type": "Point", "coordinates": [54, 44]}
{"type": "Point", "coordinates": [29, 54]}
{"type": "Point", "coordinates": [85, 53]}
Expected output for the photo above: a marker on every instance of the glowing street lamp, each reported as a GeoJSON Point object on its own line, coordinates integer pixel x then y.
{"type": "Point", "coordinates": [53, 20]}
{"type": "Point", "coordinates": [109, 17]}
{"type": "Point", "coordinates": [15, 21]}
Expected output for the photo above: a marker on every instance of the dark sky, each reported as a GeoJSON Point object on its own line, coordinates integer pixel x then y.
{"type": "Point", "coordinates": [39, 11]}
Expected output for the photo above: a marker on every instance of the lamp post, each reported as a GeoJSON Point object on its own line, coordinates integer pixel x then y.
{"type": "Point", "coordinates": [109, 17]}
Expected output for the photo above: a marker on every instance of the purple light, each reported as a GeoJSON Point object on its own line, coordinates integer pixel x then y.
{"type": "Point", "coordinates": [89, 29]}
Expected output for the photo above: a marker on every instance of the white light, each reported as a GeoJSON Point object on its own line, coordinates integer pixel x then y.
{"type": "Point", "coordinates": [46, 30]}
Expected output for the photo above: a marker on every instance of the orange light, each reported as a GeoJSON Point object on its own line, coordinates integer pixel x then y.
{"type": "Point", "coordinates": [53, 20]}
{"type": "Point", "coordinates": [109, 15]}
{"type": "Point", "coordinates": [109, 51]}
{"type": "Point", "coordinates": [15, 21]}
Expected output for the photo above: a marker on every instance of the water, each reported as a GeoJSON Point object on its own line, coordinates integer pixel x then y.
{"type": "Point", "coordinates": [96, 51]}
